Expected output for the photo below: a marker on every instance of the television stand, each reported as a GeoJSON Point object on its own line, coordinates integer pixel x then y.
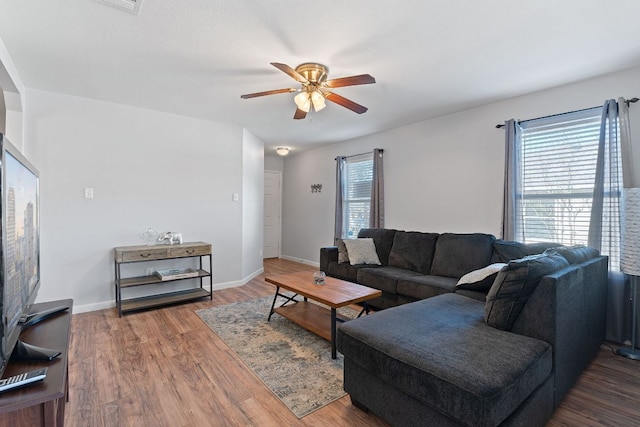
{"type": "Point", "coordinates": [41, 403]}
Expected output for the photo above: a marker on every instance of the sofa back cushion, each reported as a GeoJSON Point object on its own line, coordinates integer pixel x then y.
{"type": "Point", "coordinates": [507, 250]}
{"type": "Point", "coordinates": [413, 250]}
{"type": "Point", "coordinates": [457, 254]}
{"type": "Point", "coordinates": [574, 254]}
{"type": "Point", "coordinates": [382, 238]}
{"type": "Point", "coordinates": [513, 286]}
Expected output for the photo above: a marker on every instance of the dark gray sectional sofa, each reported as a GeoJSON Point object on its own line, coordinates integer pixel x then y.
{"type": "Point", "coordinates": [443, 356]}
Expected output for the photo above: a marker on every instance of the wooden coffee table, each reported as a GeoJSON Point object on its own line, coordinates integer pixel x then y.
{"type": "Point", "coordinates": [335, 293]}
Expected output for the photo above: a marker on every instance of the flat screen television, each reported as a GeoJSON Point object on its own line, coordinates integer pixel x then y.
{"type": "Point", "coordinates": [19, 254]}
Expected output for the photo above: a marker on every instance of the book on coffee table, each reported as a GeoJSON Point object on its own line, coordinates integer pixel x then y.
{"type": "Point", "coordinates": [176, 273]}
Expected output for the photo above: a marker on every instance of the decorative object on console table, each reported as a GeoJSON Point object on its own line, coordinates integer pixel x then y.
{"type": "Point", "coordinates": [630, 258]}
{"type": "Point", "coordinates": [150, 236]}
{"type": "Point", "coordinates": [176, 273]}
{"type": "Point", "coordinates": [170, 237]}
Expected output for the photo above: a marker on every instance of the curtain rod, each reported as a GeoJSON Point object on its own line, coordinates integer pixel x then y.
{"type": "Point", "coordinates": [626, 101]}
{"type": "Point", "coordinates": [354, 155]}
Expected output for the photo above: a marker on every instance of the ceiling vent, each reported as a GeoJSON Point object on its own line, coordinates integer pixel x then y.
{"type": "Point", "coordinates": [130, 6]}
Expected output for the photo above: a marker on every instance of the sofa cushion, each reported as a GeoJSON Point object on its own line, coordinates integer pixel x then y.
{"type": "Point", "coordinates": [482, 279]}
{"type": "Point", "coordinates": [513, 286]}
{"type": "Point", "coordinates": [343, 255]}
{"type": "Point", "coordinates": [505, 250]}
{"type": "Point", "coordinates": [413, 250]}
{"type": "Point", "coordinates": [440, 352]}
{"type": "Point", "coordinates": [457, 254]}
{"type": "Point", "coordinates": [362, 251]}
{"type": "Point", "coordinates": [345, 271]}
{"type": "Point", "coordinates": [384, 278]}
{"type": "Point", "coordinates": [574, 254]}
{"type": "Point", "coordinates": [383, 239]}
{"type": "Point", "coordinates": [421, 287]}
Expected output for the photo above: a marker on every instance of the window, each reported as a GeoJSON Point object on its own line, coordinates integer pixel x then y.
{"type": "Point", "coordinates": [359, 194]}
{"type": "Point", "coordinates": [557, 156]}
{"type": "Point", "coordinates": [356, 203]}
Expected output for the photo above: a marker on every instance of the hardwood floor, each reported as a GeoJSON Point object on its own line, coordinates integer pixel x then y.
{"type": "Point", "coordinates": [166, 368]}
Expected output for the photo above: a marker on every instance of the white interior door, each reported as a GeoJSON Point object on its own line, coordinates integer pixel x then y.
{"type": "Point", "coordinates": [272, 203]}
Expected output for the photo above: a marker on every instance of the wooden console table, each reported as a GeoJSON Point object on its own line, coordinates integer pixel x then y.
{"type": "Point", "coordinates": [164, 254]}
{"type": "Point", "coordinates": [41, 403]}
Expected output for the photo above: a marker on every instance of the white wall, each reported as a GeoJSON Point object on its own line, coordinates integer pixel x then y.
{"type": "Point", "coordinates": [12, 89]}
{"type": "Point", "coordinates": [14, 125]}
{"type": "Point", "coordinates": [3, 112]}
{"type": "Point", "coordinates": [443, 174]}
{"type": "Point", "coordinates": [147, 169]}
{"type": "Point", "coordinates": [308, 218]}
{"type": "Point", "coordinates": [273, 162]}
{"type": "Point", "coordinates": [252, 204]}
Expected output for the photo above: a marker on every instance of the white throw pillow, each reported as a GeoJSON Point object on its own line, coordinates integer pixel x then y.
{"type": "Point", "coordinates": [362, 251]}
{"type": "Point", "coordinates": [480, 279]}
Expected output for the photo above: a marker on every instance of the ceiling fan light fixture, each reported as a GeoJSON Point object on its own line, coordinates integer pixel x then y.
{"type": "Point", "coordinates": [314, 88]}
{"type": "Point", "coordinates": [318, 100]}
{"type": "Point", "coordinates": [303, 101]}
{"type": "Point", "coordinates": [282, 151]}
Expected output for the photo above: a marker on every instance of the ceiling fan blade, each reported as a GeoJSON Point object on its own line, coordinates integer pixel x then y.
{"type": "Point", "coordinates": [347, 103]}
{"type": "Point", "coordinates": [362, 79]}
{"type": "Point", "coordinates": [268, 92]}
{"type": "Point", "coordinates": [290, 71]}
{"type": "Point", "coordinates": [299, 114]}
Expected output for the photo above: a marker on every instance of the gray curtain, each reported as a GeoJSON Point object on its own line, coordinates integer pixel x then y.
{"type": "Point", "coordinates": [629, 179]}
{"type": "Point", "coordinates": [376, 212]}
{"type": "Point", "coordinates": [340, 162]}
{"type": "Point", "coordinates": [511, 181]}
{"type": "Point", "coordinates": [604, 226]}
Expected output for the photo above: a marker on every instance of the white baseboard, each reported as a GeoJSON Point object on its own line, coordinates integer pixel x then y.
{"type": "Point", "coordinates": [93, 307]}
{"type": "Point", "coordinates": [302, 261]}
{"type": "Point", "coordinates": [237, 283]}
{"type": "Point", "coordinates": [216, 286]}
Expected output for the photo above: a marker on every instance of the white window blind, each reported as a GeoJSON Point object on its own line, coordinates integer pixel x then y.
{"type": "Point", "coordinates": [356, 205]}
{"type": "Point", "coordinates": [558, 157]}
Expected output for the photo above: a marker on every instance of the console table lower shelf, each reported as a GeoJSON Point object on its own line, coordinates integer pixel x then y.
{"type": "Point", "coordinates": [141, 303]}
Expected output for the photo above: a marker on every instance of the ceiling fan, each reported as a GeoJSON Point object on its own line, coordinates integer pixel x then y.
{"type": "Point", "coordinates": [315, 88]}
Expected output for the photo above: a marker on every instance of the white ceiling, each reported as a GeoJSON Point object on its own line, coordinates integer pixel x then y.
{"type": "Point", "coordinates": [196, 57]}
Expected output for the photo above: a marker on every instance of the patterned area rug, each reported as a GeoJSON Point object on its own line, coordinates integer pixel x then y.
{"type": "Point", "coordinates": [292, 362]}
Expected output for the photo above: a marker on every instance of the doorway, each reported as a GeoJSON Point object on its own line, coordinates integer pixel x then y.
{"type": "Point", "coordinates": [272, 208]}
